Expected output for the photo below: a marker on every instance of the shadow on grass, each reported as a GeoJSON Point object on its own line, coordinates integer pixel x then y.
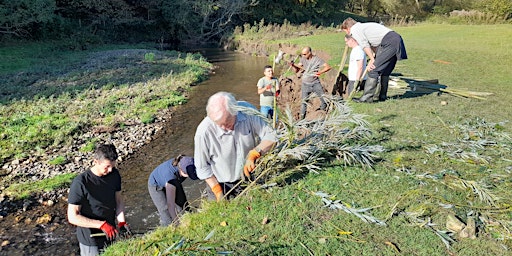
{"type": "Point", "coordinates": [107, 69]}
{"type": "Point", "coordinates": [414, 87]}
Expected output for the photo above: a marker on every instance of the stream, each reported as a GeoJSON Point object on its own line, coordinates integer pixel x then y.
{"type": "Point", "coordinates": [25, 233]}
{"type": "Point", "coordinates": [236, 73]}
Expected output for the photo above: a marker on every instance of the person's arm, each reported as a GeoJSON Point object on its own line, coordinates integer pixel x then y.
{"type": "Point", "coordinates": [170, 195]}
{"type": "Point", "coordinates": [265, 146]}
{"type": "Point", "coordinates": [261, 86]}
{"type": "Point", "coordinates": [325, 68]}
{"type": "Point", "coordinates": [371, 55]}
{"type": "Point", "coordinates": [75, 218]}
{"type": "Point", "coordinates": [296, 68]}
{"type": "Point", "coordinates": [216, 188]}
{"type": "Point", "coordinates": [120, 207]}
{"type": "Point", "coordinates": [359, 73]}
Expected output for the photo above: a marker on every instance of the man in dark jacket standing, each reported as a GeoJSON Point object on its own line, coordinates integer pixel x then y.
{"type": "Point", "coordinates": [384, 47]}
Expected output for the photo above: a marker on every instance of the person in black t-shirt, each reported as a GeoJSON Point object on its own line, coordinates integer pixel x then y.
{"type": "Point", "coordinates": [95, 202]}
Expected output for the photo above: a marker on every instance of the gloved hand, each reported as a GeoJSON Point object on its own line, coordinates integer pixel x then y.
{"type": "Point", "coordinates": [109, 230]}
{"type": "Point", "coordinates": [250, 162]}
{"type": "Point", "coordinates": [217, 191]}
{"type": "Point", "coordinates": [278, 92]}
{"type": "Point", "coordinates": [124, 229]}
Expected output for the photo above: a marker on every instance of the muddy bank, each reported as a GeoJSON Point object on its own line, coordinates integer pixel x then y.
{"type": "Point", "coordinates": [290, 83]}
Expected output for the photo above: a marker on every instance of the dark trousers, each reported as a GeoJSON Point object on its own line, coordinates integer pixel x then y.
{"type": "Point", "coordinates": [390, 50]}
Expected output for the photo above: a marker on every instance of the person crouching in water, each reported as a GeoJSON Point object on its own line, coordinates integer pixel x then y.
{"type": "Point", "coordinates": [166, 191]}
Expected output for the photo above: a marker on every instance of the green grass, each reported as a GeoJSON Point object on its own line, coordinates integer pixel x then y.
{"type": "Point", "coordinates": [26, 189]}
{"type": "Point", "coordinates": [50, 95]}
{"type": "Point", "coordinates": [433, 154]}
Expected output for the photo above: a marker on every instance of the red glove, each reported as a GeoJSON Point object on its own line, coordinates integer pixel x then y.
{"type": "Point", "coordinates": [217, 190]}
{"type": "Point", "coordinates": [124, 229]}
{"type": "Point", "coordinates": [278, 92]}
{"type": "Point", "coordinates": [250, 162]}
{"type": "Point", "coordinates": [109, 230]}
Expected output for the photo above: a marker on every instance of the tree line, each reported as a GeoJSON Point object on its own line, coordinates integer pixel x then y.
{"type": "Point", "coordinates": [194, 21]}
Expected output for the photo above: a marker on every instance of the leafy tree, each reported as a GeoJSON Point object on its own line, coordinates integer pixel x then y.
{"type": "Point", "coordinates": [18, 17]}
{"type": "Point", "coordinates": [203, 20]}
{"type": "Point", "coordinates": [502, 8]}
{"type": "Point", "coordinates": [402, 7]}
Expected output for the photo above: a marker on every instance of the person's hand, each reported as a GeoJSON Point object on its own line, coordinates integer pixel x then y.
{"type": "Point", "coordinates": [250, 162]}
{"type": "Point", "coordinates": [217, 191]}
{"type": "Point", "coordinates": [278, 92]}
{"type": "Point", "coordinates": [291, 63]}
{"type": "Point", "coordinates": [371, 65]}
{"type": "Point", "coordinates": [109, 230]}
{"type": "Point", "coordinates": [124, 229]}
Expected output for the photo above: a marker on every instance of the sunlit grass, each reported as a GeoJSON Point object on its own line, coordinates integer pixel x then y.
{"type": "Point", "coordinates": [52, 106]}
{"type": "Point", "coordinates": [438, 159]}
{"type": "Point", "coordinates": [24, 190]}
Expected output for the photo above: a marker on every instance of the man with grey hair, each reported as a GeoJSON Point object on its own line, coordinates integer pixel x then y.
{"type": "Point", "coordinates": [225, 145]}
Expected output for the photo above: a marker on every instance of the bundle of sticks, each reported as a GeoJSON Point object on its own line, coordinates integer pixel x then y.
{"type": "Point", "coordinates": [422, 86]}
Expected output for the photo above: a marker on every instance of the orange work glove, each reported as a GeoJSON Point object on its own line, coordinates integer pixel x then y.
{"type": "Point", "coordinates": [250, 162]}
{"type": "Point", "coordinates": [217, 191]}
{"type": "Point", "coordinates": [109, 230]}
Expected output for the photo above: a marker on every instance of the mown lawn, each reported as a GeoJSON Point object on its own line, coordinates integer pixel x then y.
{"type": "Point", "coordinates": [439, 160]}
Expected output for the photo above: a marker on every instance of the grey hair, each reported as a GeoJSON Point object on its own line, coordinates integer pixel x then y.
{"type": "Point", "coordinates": [221, 101]}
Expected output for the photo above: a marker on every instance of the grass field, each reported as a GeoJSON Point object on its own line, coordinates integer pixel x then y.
{"type": "Point", "coordinates": [440, 160]}
{"type": "Point", "coordinates": [50, 96]}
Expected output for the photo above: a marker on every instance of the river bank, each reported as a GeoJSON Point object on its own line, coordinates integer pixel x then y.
{"type": "Point", "coordinates": [37, 224]}
{"type": "Point", "coordinates": [40, 219]}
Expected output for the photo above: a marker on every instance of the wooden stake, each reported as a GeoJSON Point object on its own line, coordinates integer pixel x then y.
{"type": "Point", "coordinates": [356, 85]}
{"type": "Point", "coordinates": [342, 64]}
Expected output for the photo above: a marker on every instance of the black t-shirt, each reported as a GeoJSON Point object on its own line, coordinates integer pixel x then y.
{"type": "Point", "coordinates": [96, 196]}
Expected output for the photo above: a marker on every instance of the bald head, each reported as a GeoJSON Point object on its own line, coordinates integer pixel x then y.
{"type": "Point", "coordinates": [306, 52]}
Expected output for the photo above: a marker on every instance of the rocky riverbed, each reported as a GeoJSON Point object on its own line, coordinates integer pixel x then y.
{"type": "Point", "coordinates": [38, 225]}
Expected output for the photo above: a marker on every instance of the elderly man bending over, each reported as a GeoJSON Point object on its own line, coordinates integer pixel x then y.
{"type": "Point", "coordinates": [225, 145]}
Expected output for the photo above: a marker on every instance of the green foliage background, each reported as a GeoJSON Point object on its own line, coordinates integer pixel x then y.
{"type": "Point", "coordinates": [170, 22]}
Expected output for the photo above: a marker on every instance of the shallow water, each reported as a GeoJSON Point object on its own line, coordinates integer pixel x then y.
{"type": "Point", "coordinates": [236, 73]}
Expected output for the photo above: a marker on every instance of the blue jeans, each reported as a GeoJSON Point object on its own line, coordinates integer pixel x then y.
{"type": "Point", "coordinates": [267, 111]}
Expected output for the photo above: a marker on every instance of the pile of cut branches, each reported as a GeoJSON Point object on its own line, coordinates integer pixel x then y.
{"type": "Point", "coordinates": [309, 144]}
{"type": "Point", "coordinates": [421, 86]}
